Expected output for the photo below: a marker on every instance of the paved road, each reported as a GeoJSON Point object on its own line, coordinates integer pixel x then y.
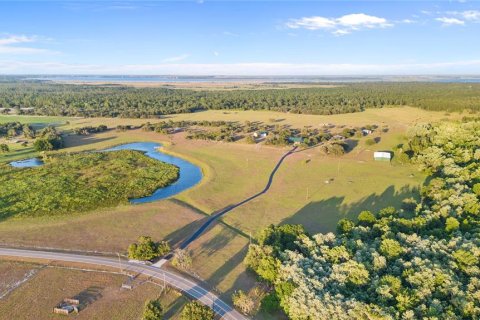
{"type": "Point", "coordinates": [183, 284]}
{"type": "Point", "coordinates": [220, 213]}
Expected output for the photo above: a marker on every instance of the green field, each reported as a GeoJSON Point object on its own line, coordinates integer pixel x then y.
{"type": "Point", "coordinates": [79, 182]}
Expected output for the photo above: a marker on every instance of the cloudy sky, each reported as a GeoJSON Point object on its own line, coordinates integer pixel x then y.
{"type": "Point", "coordinates": [240, 38]}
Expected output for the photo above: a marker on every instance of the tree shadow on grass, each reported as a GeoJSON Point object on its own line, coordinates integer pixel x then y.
{"type": "Point", "coordinates": [79, 140]}
{"type": "Point", "coordinates": [89, 296]}
{"type": "Point", "coordinates": [322, 216]}
{"type": "Point", "coordinates": [174, 307]}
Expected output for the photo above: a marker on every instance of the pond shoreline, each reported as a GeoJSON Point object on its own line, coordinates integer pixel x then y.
{"type": "Point", "coordinates": [189, 176]}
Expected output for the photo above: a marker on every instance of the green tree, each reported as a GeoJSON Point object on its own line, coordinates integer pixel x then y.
{"type": "Point", "coordinates": [366, 218]}
{"type": "Point", "coordinates": [451, 224]}
{"type": "Point", "coordinates": [153, 310]}
{"type": "Point", "coordinates": [4, 148]}
{"type": "Point", "coordinates": [42, 144]}
{"type": "Point", "coordinates": [390, 248]}
{"type": "Point", "coordinates": [476, 189]}
{"type": "Point", "coordinates": [270, 303]}
{"type": "Point", "coordinates": [196, 311]}
{"type": "Point", "coordinates": [147, 249]}
{"type": "Point", "coordinates": [345, 226]}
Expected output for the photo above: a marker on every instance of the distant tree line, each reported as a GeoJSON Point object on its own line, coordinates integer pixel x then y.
{"type": "Point", "coordinates": [128, 102]}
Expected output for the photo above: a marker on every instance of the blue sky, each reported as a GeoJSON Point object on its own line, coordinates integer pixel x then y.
{"type": "Point", "coordinates": [240, 38]}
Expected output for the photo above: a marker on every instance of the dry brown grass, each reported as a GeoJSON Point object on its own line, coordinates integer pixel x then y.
{"type": "Point", "coordinates": [36, 298]}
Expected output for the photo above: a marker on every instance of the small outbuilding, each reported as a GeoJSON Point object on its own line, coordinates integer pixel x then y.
{"type": "Point", "coordinates": [260, 134]}
{"type": "Point", "coordinates": [366, 132]}
{"type": "Point", "coordinates": [382, 155]}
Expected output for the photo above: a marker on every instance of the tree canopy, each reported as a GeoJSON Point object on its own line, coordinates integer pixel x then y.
{"type": "Point", "coordinates": [395, 263]}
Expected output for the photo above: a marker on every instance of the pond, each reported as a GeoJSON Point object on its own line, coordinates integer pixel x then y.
{"type": "Point", "coordinates": [190, 174]}
{"type": "Point", "coordinates": [32, 162]}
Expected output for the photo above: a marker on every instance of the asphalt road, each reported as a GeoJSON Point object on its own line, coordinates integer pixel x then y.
{"type": "Point", "coordinates": [187, 286]}
{"type": "Point", "coordinates": [220, 213]}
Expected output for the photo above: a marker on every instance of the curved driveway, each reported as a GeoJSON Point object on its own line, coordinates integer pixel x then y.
{"type": "Point", "coordinates": [220, 213]}
{"type": "Point", "coordinates": [187, 286]}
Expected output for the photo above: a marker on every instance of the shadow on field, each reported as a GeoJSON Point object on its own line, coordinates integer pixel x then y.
{"type": "Point", "coordinates": [351, 144]}
{"type": "Point", "coordinates": [89, 296]}
{"type": "Point", "coordinates": [322, 216]}
{"type": "Point", "coordinates": [80, 140]}
{"type": "Point", "coordinates": [174, 307]}
{"type": "Point", "coordinates": [178, 236]}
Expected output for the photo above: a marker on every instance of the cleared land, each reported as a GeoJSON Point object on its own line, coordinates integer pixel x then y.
{"type": "Point", "coordinates": [234, 171]}
{"type": "Point", "coordinates": [35, 298]}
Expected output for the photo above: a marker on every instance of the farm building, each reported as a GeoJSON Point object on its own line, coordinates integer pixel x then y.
{"type": "Point", "coordinates": [260, 134]}
{"type": "Point", "coordinates": [366, 132]}
{"type": "Point", "coordinates": [382, 155]}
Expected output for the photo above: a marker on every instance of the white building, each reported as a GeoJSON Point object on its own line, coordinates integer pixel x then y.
{"type": "Point", "coordinates": [382, 155]}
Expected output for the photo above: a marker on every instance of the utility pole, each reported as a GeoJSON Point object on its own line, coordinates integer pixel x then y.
{"type": "Point", "coordinates": [120, 262]}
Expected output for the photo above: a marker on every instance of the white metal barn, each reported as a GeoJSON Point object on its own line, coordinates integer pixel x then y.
{"type": "Point", "coordinates": [382, 155]}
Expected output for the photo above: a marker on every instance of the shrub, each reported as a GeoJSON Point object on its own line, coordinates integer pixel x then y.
{"type": "Point", "coordinates": [370, 142]}
{"type": "Point", "coordinates": [243, 301]}
{"type": "Point", "coordinates": [182, 259]}
{"type": "Point", "coordinates": [4, 148]}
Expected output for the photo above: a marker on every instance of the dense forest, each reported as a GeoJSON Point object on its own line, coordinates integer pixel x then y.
{"type": "Point", "coordinates": [45, 98]}
{"type": "Point", "coordinates": [76, 182]}
{"type": "Point", "coordinates": [421, 261]}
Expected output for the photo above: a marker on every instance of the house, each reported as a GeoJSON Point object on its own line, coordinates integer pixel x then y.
{"type": "Point", "coordinates": [295, 140]}
{"type": "Point", "coordinates": [366, 132]}
{"type": "Point", "coordinates": [382, 155]}
{"type": "Point", "coordinates": [260, 134]}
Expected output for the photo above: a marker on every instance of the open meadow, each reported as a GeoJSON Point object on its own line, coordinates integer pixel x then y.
{"type": "Point", "coordinates": [310, 188]}
{"type": "Point", "coordinates": [43, 286]}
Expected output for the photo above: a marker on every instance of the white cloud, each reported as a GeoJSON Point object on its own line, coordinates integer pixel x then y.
{"type": "Point", "coordinates": [244, 69]}
{"type": "Point", "coordinates": [10, 45]}
{"type": "Point", "coordinates": [446, 21]}
{"type": "Point", "coordinates": [216, 53]}
{"type": "Point", "coordinates": [469, 15]}
{"type": "Point", "coordinates": [341, 25]}
{"type": "Point", "coordinates": [176, 58]}
{"type": "Point", "coordinates": [312, 23]}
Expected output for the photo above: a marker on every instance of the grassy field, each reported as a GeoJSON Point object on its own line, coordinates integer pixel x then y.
{"type": "Point", "coordinates": [107, 230]}
{"type": "Point", "coordinates": [232, 172]}
{"type": "Point", "coordinates": [35, 298]}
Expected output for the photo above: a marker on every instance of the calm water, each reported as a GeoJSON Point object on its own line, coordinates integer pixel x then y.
{"type": "Point", "coordinates": [33, 162]}
{"type": "Point", "coordinates": [190, 174]}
